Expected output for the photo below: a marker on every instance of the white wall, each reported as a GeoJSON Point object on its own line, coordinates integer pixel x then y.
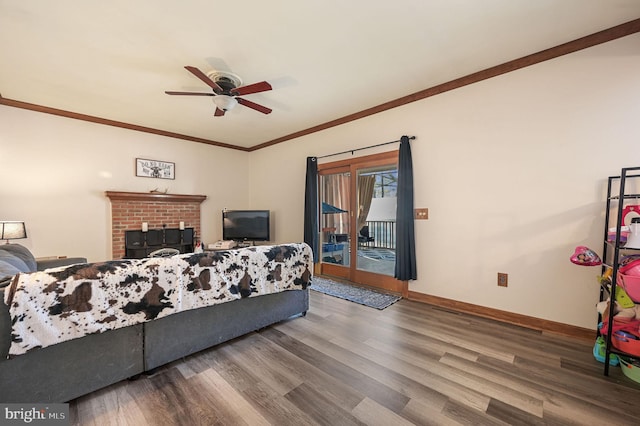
{"type": "Point", "coordinates": [513, 171]}
{"type": "Point", "coordinates": [54, 172]}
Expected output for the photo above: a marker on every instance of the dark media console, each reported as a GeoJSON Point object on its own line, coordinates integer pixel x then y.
{"type": "Point", "coordinates": [138, 244]}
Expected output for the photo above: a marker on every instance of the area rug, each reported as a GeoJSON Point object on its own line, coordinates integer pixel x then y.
{"type": "Point", "coordinates": [359, 295]}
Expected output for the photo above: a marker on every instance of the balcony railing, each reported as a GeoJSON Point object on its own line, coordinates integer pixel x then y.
{"type": "Point", "coordinates": [383, 233]}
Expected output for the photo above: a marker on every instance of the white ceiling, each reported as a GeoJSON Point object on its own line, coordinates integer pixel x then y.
{"type": "Point", "coordinates": [325, 59]}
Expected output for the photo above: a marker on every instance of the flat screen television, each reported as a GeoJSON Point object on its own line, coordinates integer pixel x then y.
{"type": "Point", "coordinates": [245, 225]}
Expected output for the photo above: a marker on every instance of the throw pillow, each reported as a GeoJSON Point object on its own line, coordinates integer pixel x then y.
{"type": "Point", "coordinates": [7, 271]}
{"type": "Point", "coordinates": [14, 260]}
{"type": "Point", "coordinates": [23, 253]}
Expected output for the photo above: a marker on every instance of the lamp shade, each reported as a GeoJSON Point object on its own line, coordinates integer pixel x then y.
{"type": "Point", "coordinates": [12, 230]}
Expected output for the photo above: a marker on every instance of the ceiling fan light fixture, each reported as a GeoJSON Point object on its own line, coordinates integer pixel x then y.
{"type": "Point", "coordinates": [226, 86]}
{"type": "Point", "coordinates": [225, 102]}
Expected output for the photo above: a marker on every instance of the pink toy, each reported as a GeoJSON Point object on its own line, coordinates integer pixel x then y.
{"type": "Point", "coordinates": [585, 256]}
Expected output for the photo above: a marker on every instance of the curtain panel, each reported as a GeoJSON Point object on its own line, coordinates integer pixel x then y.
{"type": "Point", "coordinates": [335, 192]}
{"type": "Point", "coordinates": [405, 268]}
{"type": "Point", "coordinates": [366, 185]}
{"type": "Point", "coordinates": [311, 207]}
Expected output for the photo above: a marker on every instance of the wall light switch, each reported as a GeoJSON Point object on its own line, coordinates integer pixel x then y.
{"type": "Point", "coordinates": [421, 214]}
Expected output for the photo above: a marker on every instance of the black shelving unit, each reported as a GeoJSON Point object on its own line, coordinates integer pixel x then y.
{"type": "Point", "coordinates": [613, 250]}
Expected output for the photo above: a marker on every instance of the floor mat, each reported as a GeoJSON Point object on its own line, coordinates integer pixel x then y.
{"type": "Point", "coordinates": [351, 293]}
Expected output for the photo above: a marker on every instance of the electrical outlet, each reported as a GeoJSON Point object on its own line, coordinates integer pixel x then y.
{"type": "Point", "coordinates": [421, 213]}
{"type": "Point", "coordinates": [503, 279]}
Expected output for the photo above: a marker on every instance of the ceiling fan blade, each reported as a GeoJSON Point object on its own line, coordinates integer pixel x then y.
{"type": "Point", "coordinates": [219, 112]}
{"type": "Point", "coordinates": [262, 86]}
{"type": "Point", "coordinates": [189, 93]}
{"type": "Point", "coordinates": [202, 76]}
{"type": "Point", "coordinates": [253, 105]}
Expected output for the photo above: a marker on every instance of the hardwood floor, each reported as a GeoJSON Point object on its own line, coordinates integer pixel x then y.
{"type": "Point", "coordinates": [346, 364]}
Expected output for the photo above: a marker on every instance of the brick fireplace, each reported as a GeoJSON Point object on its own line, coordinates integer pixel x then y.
{"type": "Point", "coordinates": [130, 209]}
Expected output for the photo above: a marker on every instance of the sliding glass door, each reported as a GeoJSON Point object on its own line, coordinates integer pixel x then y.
{"type": "Point", "coordinates": [357, 198]}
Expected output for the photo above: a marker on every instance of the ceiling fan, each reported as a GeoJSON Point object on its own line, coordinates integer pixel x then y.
{"type": "Point", "coordinates": [226, 89]}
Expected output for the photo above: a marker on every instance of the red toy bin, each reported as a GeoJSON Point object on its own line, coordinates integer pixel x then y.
{"type": "Point", "coordinates": [626, 342]}
{"type": "Point", "coordinates": [625, 335]}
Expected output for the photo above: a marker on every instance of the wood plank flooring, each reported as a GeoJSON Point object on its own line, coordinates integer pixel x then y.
{"type": "Point", "coordinates": [346, 364]}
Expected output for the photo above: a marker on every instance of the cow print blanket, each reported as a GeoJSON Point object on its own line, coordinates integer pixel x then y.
{"type": "Point", "coordinates": [65, 303]}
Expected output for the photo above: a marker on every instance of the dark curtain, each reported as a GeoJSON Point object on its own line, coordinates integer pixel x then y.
{"type": "Point", "coordinates": [405, 238]}
{"type": "Point", "coordinates": [311, 206]}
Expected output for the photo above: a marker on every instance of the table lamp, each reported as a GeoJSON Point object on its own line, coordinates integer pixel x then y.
{"type": "Point", "coordinates": [12, 230]}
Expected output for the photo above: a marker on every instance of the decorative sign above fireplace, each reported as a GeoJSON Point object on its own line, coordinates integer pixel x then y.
{"type": "Point", "coordinates": [155, 169]}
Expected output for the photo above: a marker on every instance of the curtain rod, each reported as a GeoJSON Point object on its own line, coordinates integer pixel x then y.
{"type": "Point", "coordinates": [366, 147]}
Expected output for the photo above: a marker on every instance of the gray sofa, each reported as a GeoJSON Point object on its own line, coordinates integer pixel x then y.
{"type": "Point", "coordinates": [70, 369]}
{"type": "Point", "coordinates": [15, 258]}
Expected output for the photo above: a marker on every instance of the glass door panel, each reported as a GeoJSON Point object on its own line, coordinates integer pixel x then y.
{"type": "Point", "coordinates": [376, 220]}
{"type": "Point", "coordinates": [335, 221]}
